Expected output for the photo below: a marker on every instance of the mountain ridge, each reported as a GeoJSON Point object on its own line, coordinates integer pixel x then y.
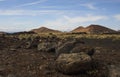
{"type": "Point", "coordinates": [93, 29]}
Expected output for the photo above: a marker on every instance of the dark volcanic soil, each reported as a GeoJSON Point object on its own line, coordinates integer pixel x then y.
{"type": "Point", "coordinates": [33, 63]}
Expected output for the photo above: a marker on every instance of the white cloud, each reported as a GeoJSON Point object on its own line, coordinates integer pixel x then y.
{"type": "Point", "coordinates": [10, 29]}
{"type": "Point", "coordinates": [28, 12]}
{"type": "Point", "coordinates": [88, 18]}
{"type": "Point", "coordinates": [110, 1]}
{"type": "Point", "coordinates": [48, 7]}
{"type": "Point", "coordinates": [89, 5]}
{"type": "Point", "coordinates": [11, 12]}
{"type": "Point", "coordinates": [32, 3]}
{"type": "Point", "coordinates": [117, 17]}
{"type": "Point", "coordinates": [2, 0]}
{"type": "Point", "coordinates": [67, 23]}
{"type": "Point", "coordinates": [15, 25]}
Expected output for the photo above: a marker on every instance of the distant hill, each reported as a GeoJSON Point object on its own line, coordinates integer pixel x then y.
{"type": "Point", "coordinates": [2, 33]}
{"type": "Point", "coordinates": [93, 29]}
{"type": "Point", "coordinates": [45, 30]}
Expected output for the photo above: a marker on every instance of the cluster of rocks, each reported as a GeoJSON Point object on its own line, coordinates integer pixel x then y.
{"type": "Point", "coordinates": [72, 56]}
{"type": "Point", "coordinates": [41, 43]}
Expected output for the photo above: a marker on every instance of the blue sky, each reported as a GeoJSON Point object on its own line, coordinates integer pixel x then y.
{"type": "Point", "coordinates": [64, 15]}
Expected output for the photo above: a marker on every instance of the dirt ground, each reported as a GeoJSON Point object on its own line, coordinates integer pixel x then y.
{"type": "Point", "coordinates": [33, 63]}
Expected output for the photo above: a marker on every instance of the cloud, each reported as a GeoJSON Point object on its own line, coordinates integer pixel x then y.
{"type": "Point", "coordinates": [117, 17]}
{"type": "Point", "coordinates": [2, 0]}
{"type": "Point", "coordinates": [29, 12]}
{"type": "Point", "coordinates": [11, 12]}
{"type": "Point", "coordinates": [11, 28]}
{"type": "Point", "coordinates": [32, 3]}
{"type": "Point", "coordinates": [88, 18]}
{"type": "Point", "coordinates": [14, 25]}
{"type": "Point", "coordinates": [89, 5]}
{"type": "Point", "coordinates": [110, 0]}
{"type": "Point", "coordinates": [46, 7]}
{"type": "Point", "coordinates": [8, 29]}
{"type": "Point", "coordinates": [67, 23]}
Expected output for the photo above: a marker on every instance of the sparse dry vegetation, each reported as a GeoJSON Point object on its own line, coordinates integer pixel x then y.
{"type": "Point", "coordinates": [69, 35]}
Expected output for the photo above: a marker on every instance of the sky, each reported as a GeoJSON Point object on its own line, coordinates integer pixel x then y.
{"type": "Point", "coordinates": [64, 15]}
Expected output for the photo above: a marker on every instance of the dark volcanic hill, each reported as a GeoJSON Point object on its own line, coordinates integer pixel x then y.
{"type": "Point", "coordinates": [45, 30]}
{"type": "Point", "coordinates": [94, 29]}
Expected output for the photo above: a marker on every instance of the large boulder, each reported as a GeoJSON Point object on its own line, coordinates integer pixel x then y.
{"type": "Point", "coordinates": [73, 63]}
{"type": "Point", "coordinates": [83, 48]}
{"type": "Point", "coordinates": [74, 46]}
{"type": "Point", "coordinates": [65, 48]}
